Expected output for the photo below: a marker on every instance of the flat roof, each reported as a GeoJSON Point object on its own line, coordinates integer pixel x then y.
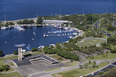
{"type": "Point", "coordinates": [26, 60]}
{"type": "Point", "coordinates": [23, 62]}
{"type": "Point", "coordinates": [19, 45]}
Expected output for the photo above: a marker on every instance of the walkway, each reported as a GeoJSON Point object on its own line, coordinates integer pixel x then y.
{"type": "Point", "coordinates": [48, 74]}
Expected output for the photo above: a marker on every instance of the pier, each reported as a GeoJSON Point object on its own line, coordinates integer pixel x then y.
{"type": "Point", "coordinates": [19, 28]}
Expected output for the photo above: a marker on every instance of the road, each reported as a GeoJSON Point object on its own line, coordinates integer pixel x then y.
{"type": "Point", "coordinates": [48, 74]}
{"type": "Point", "coordinates": [96, 25]}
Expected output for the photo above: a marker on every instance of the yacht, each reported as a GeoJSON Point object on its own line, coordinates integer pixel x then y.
{"type": "Point", "coordinates": [3, 28]}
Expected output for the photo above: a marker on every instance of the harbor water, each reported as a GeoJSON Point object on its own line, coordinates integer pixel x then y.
{"type": "Point", "coordinates": [32, 36]}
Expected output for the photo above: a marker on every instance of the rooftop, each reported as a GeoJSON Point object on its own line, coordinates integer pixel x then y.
{"type": "Point", "coordinates": [19, 45]}
{"type": "Point", "coordinates": [27, 60]}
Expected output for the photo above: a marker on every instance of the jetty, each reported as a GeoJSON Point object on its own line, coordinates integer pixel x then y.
{"type": "Point", "coordinates": [19, 28]}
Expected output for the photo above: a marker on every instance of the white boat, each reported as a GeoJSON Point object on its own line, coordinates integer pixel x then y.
{"type": "Point", "coordinates": [5, 42]}
{"type": "Point", "coordinates": [75, 33]}
{"type": "Point", "coordinates": [44, 35]}
{"type": "Point", "coordinates": [52, 45]}
{"type": "Point", "coordinates": [49, 32]}
{"type": "Point", "coordinates": [32, 38]}
{"type": "Point", "coordinates": [19, 28]}
{"type": "Point", "coordinates": [58, 35]}
{"type": "Point", "coordinates": [3, 28]}
{"type": "Point", "coordinates": [68, 34]}
{"type": "Point", "coordinates": [34, 33]}
{"type": "Point", "coordinates": [70, 37]}
{"type": "Point", "coordinates": [71, 30]}
{"type": "Point", "coordinates": [52, 35]}
{"type": "Point", "coordinates": [40, 47]}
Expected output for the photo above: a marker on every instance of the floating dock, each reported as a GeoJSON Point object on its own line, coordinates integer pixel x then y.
{"type": "Point", "coordinates": [19, 28]}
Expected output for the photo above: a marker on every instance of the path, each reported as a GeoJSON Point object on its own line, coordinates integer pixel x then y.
{"type": "Point", "coordinates": [8, 72]}
{"type": "Point", "coordinates": [48, 74]}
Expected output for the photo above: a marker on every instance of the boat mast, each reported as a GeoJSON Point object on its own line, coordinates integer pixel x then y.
{"type": "Point", "coordinates": [5, 18]}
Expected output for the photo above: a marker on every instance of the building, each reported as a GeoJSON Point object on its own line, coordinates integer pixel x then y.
{"type": "Point", "coordinates": [29, 60]}
{"type": "Point", "coordinates": [55, 23]}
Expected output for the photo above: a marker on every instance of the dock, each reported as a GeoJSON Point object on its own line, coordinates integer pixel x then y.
{"type": "Point", "coordinates": [19, 28]}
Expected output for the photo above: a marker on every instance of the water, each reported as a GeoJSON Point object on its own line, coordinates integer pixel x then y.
{"type": "Point", "coordinates": [9, 38]}
{"type": "Point", "coordinates": [20, 9]}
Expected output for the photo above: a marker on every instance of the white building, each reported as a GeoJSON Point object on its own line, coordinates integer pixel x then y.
{"type": "Point", "coordinates": [55, 22]}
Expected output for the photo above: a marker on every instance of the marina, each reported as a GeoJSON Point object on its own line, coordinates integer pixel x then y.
{"type": "Point", "coordinates": [32, 37]}
{"type": "Point", "coordinates": [61, 33]}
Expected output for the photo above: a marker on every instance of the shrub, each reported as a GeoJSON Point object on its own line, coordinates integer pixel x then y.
{"type": "Point", "coordinates": [1, 53]}
{"type": "Point", "coordinates": [15, 52]}
{"type": "Point", "coordinates": [5, 67]}
{"type": "Point", "coordinates": [34, 49]}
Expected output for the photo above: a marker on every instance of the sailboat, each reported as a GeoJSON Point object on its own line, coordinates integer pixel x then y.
{"type": "Point", "coordinates": [44, 35]}
{"type": "Point", "coordinates": [34, 33]}
{"type": "Point", "coordinates": [29, 47]}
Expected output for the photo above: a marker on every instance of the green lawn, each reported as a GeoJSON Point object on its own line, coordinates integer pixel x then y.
{"type": "Point", "coordinates": [71, 63]}
{"type": "Point", "coordinates": [53, 69]}
{"type": "Point", "coordinates": [5, 58]}
{"type": "Point", "coordinates": [57, 57]}
{"type": "Point", "coordinates": [81, 72]}
{"type": "Point", "coordinates": [14, 74]}
{"type": "Point", "coordinates": [37, 52]}
{"type": "Point", "coordinates": [105, 56]}
{"type": "Point", "coordinates": [89, 42]}
{"type": "Point", "coordinates": [2, 63]}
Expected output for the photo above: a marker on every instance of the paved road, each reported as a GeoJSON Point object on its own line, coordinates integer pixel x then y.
{"type": "Point", "coordinates": [109, 66]}
{"type": "Point", "coordinates": [96, 25]}
{"type": "Point", "coordinates": [43, 74]}
{"type": "Point", "coordinates": [48, 74]}
{"type": "Point", "coordinates": [8, 72]}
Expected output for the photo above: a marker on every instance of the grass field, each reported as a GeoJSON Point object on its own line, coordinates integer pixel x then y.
{"type": "Point", "coordinates": [90, 41]}
{"type": "Point", "coordinates": [14, 74]}
{"type": "Point", "coordinates": [71, 63]}
{"type": "Point", "coordinates": [80, 72]}
{"type": "Point", "coordinates": [5, 58]}
{"type": "Point", "coordinates": [37, 52]}
{"type": "Point", "coordinates": [2, 63]}
{"type": "Point", "coordinates": [105, 56]}
{"type": "Point", "coordinates": [57, 57]}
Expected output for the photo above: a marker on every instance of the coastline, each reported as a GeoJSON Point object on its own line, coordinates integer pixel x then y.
{"type": "Point", "coordinates": [80, 33]}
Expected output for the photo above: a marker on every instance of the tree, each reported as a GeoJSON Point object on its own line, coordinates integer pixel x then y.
{"type": "Point", "coordinates": [45, 49]}
{"type": "Point", "coordinates": [34, 49]}
{"type": "Point", "coordinates": [94, 62]}
{"type": "Point", "coordinates": [39, 21]}
{"type": "Point", "coordinates": [58, 46]}
{"type": "Point", "coordinates": [15, 52]}
{"type": "Point", "coordinates": [5, 67]}
{"type": "Point", "coordinates": [111, 73]}
{"type": "Point", "coordinates": [80, 66]}
{"type": "Point", "coordinates": [1, 69]}
{"type": "Point", "coordinates": [1, 53]}
{"type": "Point", "coordinates": [89, 62]}
{"type": "Point", "coordinates": [111, 28]}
